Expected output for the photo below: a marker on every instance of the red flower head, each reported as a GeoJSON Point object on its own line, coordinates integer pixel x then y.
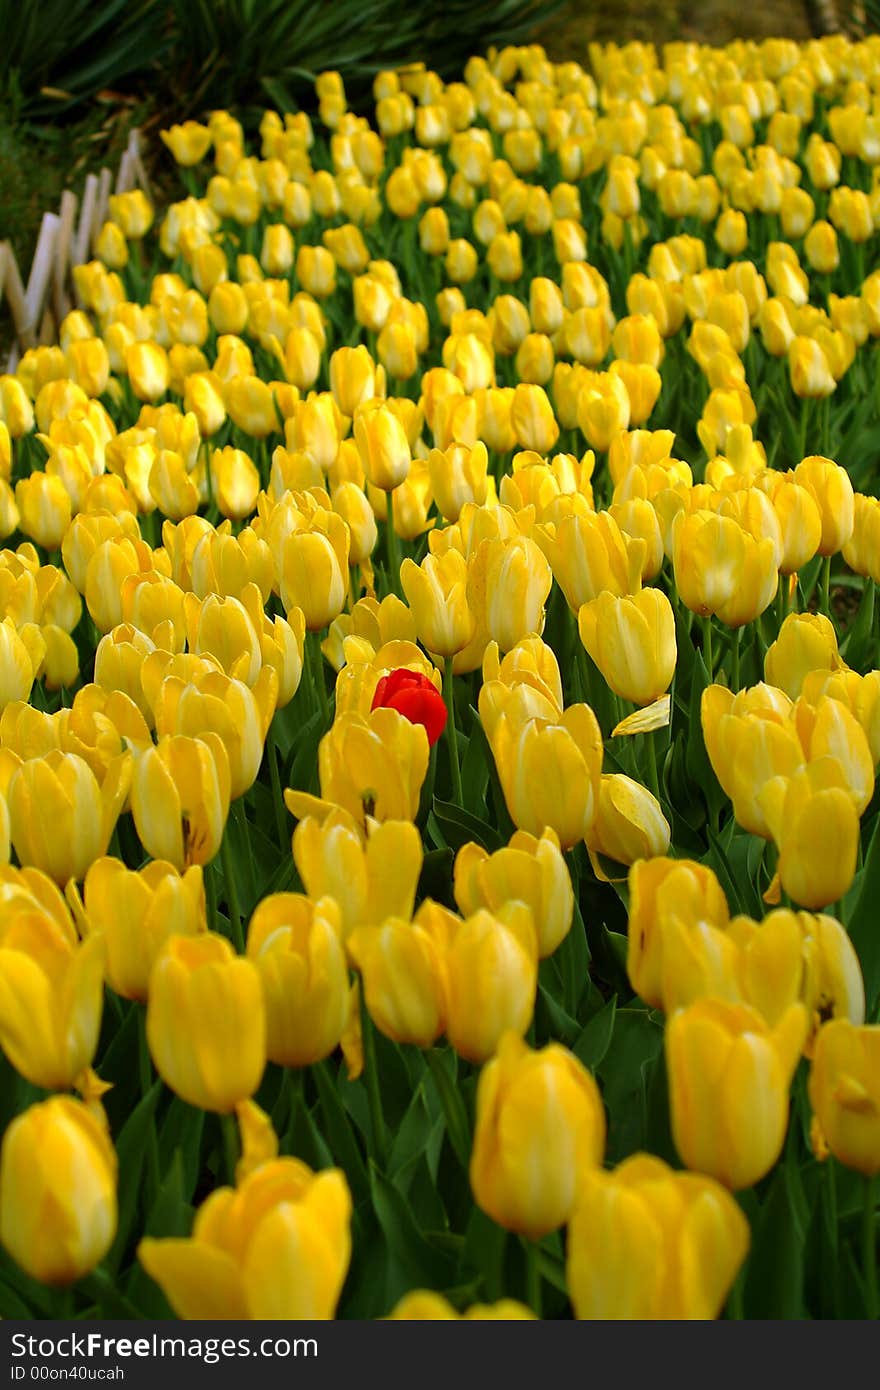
{"type": "Point", "coordinates": [415, 697]}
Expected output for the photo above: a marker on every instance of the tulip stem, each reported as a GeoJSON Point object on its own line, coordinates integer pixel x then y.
{"type": "Point", "coordinates": [653, 774]}
{"type": "Point", "coordinates": [451, 732]}
{"type": "Point", "coordinates": [231, 1146]}
{"type": "Point", "coordinates": [316, 673]}
{"type": "Point", "coordinates": [371, 1080]}
{"type": "Point", "coordinates": [240, 817]}
{"type": "Point", "coordinates": [708, 659]}
{"type": "Point", "coordinates": [533, 1277]}
{"type": "Point", "coordinates": [869, 1248]}
{"type": "Point", "coordinates": [826, 586]}
{"type": "Point", "coordinates": [831, 1194]}
{"type": "Point", "coordinates": [735, 650]}
{"type": "Point", "coordinates": [231, 894]}
{"type": "Point", "coordinates": [275, 779]}
{"type": "Point", "coordinates": [454, 1110]}
{"type": "Point", "coordinates": [392, 547]}
{"type": "Point", "coordinates": [145, 1072]}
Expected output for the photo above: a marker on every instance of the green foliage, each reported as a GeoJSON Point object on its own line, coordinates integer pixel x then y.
{"type": "Point", "coordinates": [75, 48]}
{"type": "Point", "coordinates": [199, 54]}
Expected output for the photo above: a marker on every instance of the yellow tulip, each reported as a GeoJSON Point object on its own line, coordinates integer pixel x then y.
{"type": "Point", "coordinates": [729, 1079]}
{"type": "Point", "coordinates": [844, 1093]}
{"type": "Point", "coordinates": [235, 482]}
{"type": "Point", "coordinates": [490, 970]}
{"type": "Point", "coordinates": [383, 445]}
{"type": "Point", "coordinates": [629, 824]}
{"type": "Point", "coordinates": [296, 944]}
{"type": "Point", "coordinates": [663, 892]}
{"type": "Point", "coordinates": [148, 370]}
{"type": "Point", "coordinates": [44, 508]}
{"type": "Point", "coordinates": [515, 577]}
{"type": "Point", "coordinates": [632, 641]}
{"type": "Point", "coordinates": [749, 743]}
{"type": "Point", "coordinates": [793, 956]}
{"type": "Point", "coordinates": [815, 824]}
{"type": "Point", "coordinates": [458, 475]}
{"type": "Point", "coordinates": [21, 655]}
{"type": "Point", "coordinates": [589, 554]}
{"type": "Point", "coordinates": [420, 1305]}
{"type": "Point", "coordinates": [436, 591]}
{"type": "Point", "coordinates": [180, 798]}
{"type": "Point", "coordinates": [61, 818]}
{"type": "Point", "coordinates": [648, 1242]}
{"type": "Point", "coordinates": [830, 487]}
{"type": "Point", "coordinates": [369, 880]}
{"type": "Point", "coordinates": [549, 763]}
{"type": "Point", "coordinates": [540, 1128]}
{"type": "Point", "coordinates": [188, 143]}
{"type": "Point", "coordinates": [403, 981]}
{"type": "Point", "coordinates": [369, 765]}
{"type": "Point", "coordinates": [134, 913]}
{"type": "Point", "coordinates": [276, 1246]}
{"type": "Point", "coordinates": [806, 642]}
{"type": "Point", "coordinates": [57, 1158]}
{"type": "Point", "coordinates": [531, 870]}
{"type": "Point", "coordinates": [206, 1021]}
{"type": "Point", "coordinates": [532, 418]}
{"type": "Point", "coordinates": [50, 997]}
{"type": "Point", "coordinates": [721, 568]}
{"type": "Point", "coordinates": [236, 713]}
{"type": "Point", "coordinates": [314, 570]}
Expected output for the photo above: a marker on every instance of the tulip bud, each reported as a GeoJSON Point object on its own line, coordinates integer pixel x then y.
{"type": "Point", "coordinates": [180, 798]}
{"type": "Point", "coordinates": [371, 765]}
{"type": "Point", "coordinates": [370, 881]}
{"type": "Point", "coordinates": [314, 571]}
{"type": "Point", "coordinates": [815, 823]}
{"type": "Point", "coordinates": [662, 892]}
{"type": "Point", "coordinates": [843, 1091]}
{"type": "Point", "coordinates": [806, 642]}
{"type": "Point", "coordinates": [540, 1128]}
{"type": "Point", "coordinates": [383, 446]}
{"type": "Point", "coordinates": [729, 1079]}
{"type": "Point", "coordinates": [490, 970]}
{"type": "Point", "coordinates": [830, 487]}
{"type": "Point", "coordinates": [284, 1240]}
{"type": "Point", "coordinates": [57, 1157]}
{"type": "Point", "coordinates": [530, 870]}
{"type": "Point", "coordinates": [136, 912]}
{"type": "Point", "coordinates": [50, 998]}
{"type": "Point", "coordinates": [401, 966]}
{"type": "Point", "coordinates": [548, 764]}
{"type": "Point", "coordinates": [632, 641]}
{"type": "Point", "coordinates": [206, 1022]}
{"type": "Point", "coordinates": [648, 1242]}
{"type": "Point", "coordinates": [629, 823]}
{"type": "Point", "coordinates": [44, 508]}
{"type": "Point", "coordinates": [60, 817]}
{"type": "Point", "coordinates": [297, 948]}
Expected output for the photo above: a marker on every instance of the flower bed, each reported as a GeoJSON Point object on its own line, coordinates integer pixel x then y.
{"type": "Point", "coordinates": [485, 496]}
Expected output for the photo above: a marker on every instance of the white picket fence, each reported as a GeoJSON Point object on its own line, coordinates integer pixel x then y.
{"type": "Point", "coordinates": [66, 240]}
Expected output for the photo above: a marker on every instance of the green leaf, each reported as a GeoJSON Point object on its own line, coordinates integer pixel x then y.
{"type": "Point", "coordinates": [460, 826]}
{"type": "Point", "coordinates": [861, 920]}
{"type": "Point", "coordinates": [636, 1039]}
{"type": "Point", "coordinates": [413, 1263]}
{"type": "Point", "coordinates": [180, 1140]}
{"type": "Point", "coordinates": [131, 1151]}
{"type": "Point", "coordinates": [341, 1138]}
{"type": "Point", "coordinates": [774, 1281]}
{"type": "Point", "coordinates": [595, 1039]}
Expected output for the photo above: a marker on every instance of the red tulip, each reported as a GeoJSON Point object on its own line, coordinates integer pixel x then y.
{"type": "Point", "coordinates": [415, 697]}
